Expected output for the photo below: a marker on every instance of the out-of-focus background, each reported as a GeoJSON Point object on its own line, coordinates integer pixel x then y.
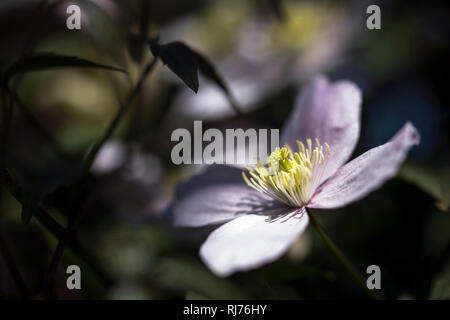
{"type": "Point", "coordinates": [265, 50]}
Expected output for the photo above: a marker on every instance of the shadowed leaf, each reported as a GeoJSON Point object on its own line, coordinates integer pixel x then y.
{"type": "Point", "coordinates": [180, 59]}
{"type": "Point", "coordinates": [186, 63]}
{"type": "Point", "coordinates": [209, 71]}
{"type": "Point", "coordinates": [37, 184]}
{"type": "Point", "coordinates": [42, 61]}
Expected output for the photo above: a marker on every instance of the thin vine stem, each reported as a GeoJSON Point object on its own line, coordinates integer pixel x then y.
{"type": "Point", "coordinates": [78, 200]}
{"type": "Point", "coordinates": [349, 267]}
{"type": "Point", "coordinates": [113, 126]}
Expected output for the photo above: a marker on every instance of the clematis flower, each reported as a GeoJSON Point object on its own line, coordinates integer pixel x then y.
{"type": "Point", "coordinates": [263, 210]}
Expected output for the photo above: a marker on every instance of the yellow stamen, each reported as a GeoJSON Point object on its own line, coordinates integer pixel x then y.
{"type": "Point", "coordinates": [290, 177]}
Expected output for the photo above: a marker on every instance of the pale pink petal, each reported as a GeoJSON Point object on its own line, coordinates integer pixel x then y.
{"type": "Point", "coordinates": [366, 173]}
{"type": "Point", "coordinates": [329, 112]}
{"type": "Point", "coordinates": [252, 240]}
{"type": "Point", "coordinates": [217, 195]}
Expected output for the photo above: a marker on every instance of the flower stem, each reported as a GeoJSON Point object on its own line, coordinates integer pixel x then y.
{"type": "Point", "coordinates": [345, 262]}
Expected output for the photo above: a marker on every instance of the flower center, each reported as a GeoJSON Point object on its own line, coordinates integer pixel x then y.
{"type": "Point", "coordinates": [290, 177]}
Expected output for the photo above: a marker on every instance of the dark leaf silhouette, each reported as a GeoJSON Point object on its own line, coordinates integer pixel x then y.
{"type": "Point", "coordinates": [37, 184]}
{"type": "Point", "coordinates": [186, 63]}
{"type": "Point", "coordinates": [209, 71]}
{"type": "Point", "coordinates": [180, 59]}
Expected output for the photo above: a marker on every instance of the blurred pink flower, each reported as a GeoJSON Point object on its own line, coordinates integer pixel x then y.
{"type": "Point", "coordinates": [264, 214]}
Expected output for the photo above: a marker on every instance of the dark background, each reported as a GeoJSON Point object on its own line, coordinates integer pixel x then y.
{"type": "Point", "coordinates": [265, 51]}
